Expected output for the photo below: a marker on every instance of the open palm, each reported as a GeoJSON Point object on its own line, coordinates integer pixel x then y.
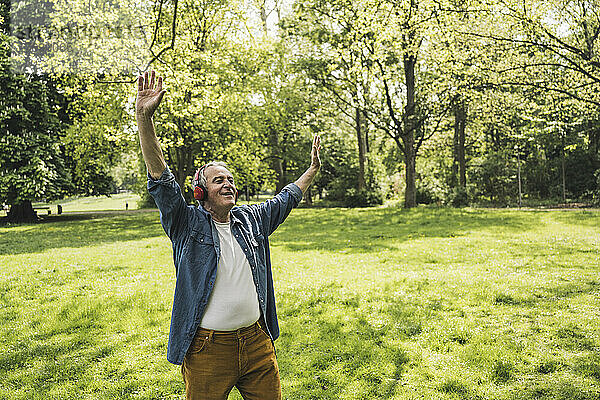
{"type": "Point", "coordinates": [148, 96]}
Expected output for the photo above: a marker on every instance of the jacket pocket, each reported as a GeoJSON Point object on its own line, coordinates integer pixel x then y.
{"type": "Point", "coordinates": [199, 246]}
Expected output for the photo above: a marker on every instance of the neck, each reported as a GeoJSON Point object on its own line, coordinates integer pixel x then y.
{"type": "Point", "coordinates": [219, 216]}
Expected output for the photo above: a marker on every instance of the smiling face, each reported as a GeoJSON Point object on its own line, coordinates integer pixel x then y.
{"type": "Point", "coordinates": [220, 187]}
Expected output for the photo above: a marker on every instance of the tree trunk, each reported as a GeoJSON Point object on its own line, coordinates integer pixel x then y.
{"type": "Point", "coordinates": [410, 191]}
{"type": "Point", "coordinates": [562, 162]}
{"type": "Point", "coordinates": [183, 164]}
{"type": "Point", "coordinates": [22, 212]}
{"type": "Point", "coordinates": [408, 135]}
{"type": "Point", "coordinates": [308, 197]}
{"type": "Point", "coordinates": [276, 161]}
{"type": "Point", "coordinates": [519, 175]}
{"type": "Point", "coordinates": [594, 141]}
{"type": "Point", "coordinates": [362, 155]}
{"type": "Point", "coordinates": [263, 16]}
{"type": "Point", "coordinates": [459, 175]}
{"type": "Point", "coordinates": [366, 130]}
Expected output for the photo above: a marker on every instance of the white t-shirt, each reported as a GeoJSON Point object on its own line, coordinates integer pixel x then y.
{"type": "Point", "coordinates": [233, 303]}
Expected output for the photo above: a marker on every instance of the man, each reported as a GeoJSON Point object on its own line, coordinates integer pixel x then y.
{"type": "Point", "coordinates": [224, 321]}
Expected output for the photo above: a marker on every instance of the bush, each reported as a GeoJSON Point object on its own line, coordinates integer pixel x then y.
{"type": "Point", "coordinates": [146, 201]}
{"type": "Point", "coordinates": [493, 176]}
{"type": "Point", "coordinates": [363, 198]}
{"type": "Point", "coordinates": [596, 193]}
{"type": "Point", "coordinates": [458, 197]}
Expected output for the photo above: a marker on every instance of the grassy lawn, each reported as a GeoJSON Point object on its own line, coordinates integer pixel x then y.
{"type": "Point", "coordinates": [373, 304]}
{"type": "Point", "coordinates": [88, 203]}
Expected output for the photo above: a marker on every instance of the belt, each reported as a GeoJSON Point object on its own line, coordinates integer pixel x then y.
{"type": "Point", "coordinates": [238, 333]}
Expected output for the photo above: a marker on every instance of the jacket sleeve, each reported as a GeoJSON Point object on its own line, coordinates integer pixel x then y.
{"type": "Point", "coordinates": [173, 208]}
{"type": "Point", "coordinates": [274, 211]}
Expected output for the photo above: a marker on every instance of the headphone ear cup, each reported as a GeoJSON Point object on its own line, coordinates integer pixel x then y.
{"type": "Point", "coordinates": [199, 193]}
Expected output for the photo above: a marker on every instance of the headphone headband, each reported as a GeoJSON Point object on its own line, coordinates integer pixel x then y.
{"type": "Point", "coordinates": [200, 192]}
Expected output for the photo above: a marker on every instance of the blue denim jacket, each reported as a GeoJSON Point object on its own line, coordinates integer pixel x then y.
{"type": "Point", "coordinates": [196, 253]}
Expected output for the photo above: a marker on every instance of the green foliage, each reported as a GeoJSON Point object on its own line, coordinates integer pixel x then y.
{"type": "Point", "coordinates": [97, 137]}
{"type": "Point", "coordinates": [253, 96]}
{"type": "Point", "coordinates": [363, 198]}
{"type": "Point", "coordinates": [31, 164]}
{"type": "Point", "coordinates": [458, 197]}
{"type": "Point", "coordinates": [493, 176]}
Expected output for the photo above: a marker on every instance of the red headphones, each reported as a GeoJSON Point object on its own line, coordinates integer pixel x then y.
{"type": "Point", "coordinates": [200, 192]}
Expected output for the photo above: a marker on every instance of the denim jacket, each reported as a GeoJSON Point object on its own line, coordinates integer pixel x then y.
{"type": "Point", "coordinates": [196, 254]}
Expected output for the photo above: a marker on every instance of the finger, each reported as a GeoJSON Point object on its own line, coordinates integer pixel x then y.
{"type": "Point", "coordinates": [145, 80]}
{"type": "Point", "coordinates": [140, 83]}
{"type": "Point", "coordinates": [160, 95]}
{"type": "Point", "coordinates": [159, 85]}
{"type": "Point", "coordinates": [152, 79]}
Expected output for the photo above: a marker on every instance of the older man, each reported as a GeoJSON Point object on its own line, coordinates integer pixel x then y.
{"type": "Point", "coordinates": [224, 321]}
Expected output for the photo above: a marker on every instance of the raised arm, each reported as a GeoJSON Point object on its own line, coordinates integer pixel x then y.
{"type": "Point", "coordinates": [148, 99]}
{"type": "Point", "coordinates": [307, 177]}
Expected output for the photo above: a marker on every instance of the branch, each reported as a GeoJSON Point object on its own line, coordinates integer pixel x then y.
{"type": "Point", "coordinates": [554, 49]}
{"type": "Point", "coordinates": [542, 87]}
{"type": "Point", "coordinates": [437, 125]}
{"type": "Point", "coordinates": [173, 34]}
{"type": "Point", "coordinates": [155, 56]}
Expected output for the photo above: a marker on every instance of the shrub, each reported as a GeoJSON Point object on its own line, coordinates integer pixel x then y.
{"type": "Point", "coordinates": [458, 197]}
{"type": "Point", "coordinates": [363, 198]}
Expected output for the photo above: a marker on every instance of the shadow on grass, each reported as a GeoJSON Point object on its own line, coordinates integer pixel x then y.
{"type": "Point", "coordinates": [352, 230]}
{"type": "Point", "coordinates": [589, 218]}
{"type": "Point", "coordinates": [366, 230]}
{"type": "Point", "coordinates": [79, 230]}
{"type": "Point", "coordinates": [333, 344]}
{"type": "Point", "coordinates": [336, 343]}
{"type": "Point", "coordinates": [80, 343]}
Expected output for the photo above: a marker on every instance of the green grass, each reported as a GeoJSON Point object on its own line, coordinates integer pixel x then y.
{"type": "Point", "coordinates": [95, 203]}
{"type": "Point", "coordinates": [88, 203]}
{"type": "Point", "coordinates": [373, 304]}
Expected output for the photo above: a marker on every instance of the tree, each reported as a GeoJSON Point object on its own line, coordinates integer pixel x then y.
{"type": "Point", "coordinates": [332, 59]}
{"type": "Point", "coordinates": [31, 165]}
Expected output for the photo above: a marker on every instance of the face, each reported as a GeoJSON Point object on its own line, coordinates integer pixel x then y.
{"type": "Point", "coordinates": [220, 187]}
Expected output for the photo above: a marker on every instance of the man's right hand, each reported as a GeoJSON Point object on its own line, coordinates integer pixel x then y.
{"type": "Point", "coordinates": [148, 97]}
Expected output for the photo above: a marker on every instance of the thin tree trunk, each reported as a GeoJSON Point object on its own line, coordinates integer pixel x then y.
{"type": "Point", "coordinates": [308, 196]}
{"type": "Point", "coordinates": [459, 176]}
{"type": "Point", "coordinates": [276, 161]}
{"type": "Point", "coordinates": [263, 16]}
{"type": "Point", "coordinates": [562, 161]}
{"type": "Point", "coordinates": [594, 141]}
{"type": "Point", "coordinates": [361, 151]}
{"type": "Point", "coordinates": [408, 136]}
{"type": "Point", "coordinates": [519, 176]}
{"type": "Point", "coordinates": [181, 169]}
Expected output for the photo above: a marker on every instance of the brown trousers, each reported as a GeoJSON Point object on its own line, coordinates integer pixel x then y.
{"type": "Point", "coordinates": [217, 361]}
